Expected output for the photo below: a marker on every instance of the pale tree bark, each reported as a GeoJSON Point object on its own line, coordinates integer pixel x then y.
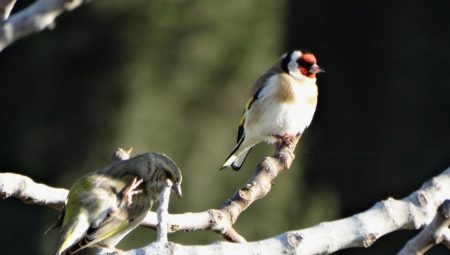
{"type": "Point", "coordinates": [34, 18]}
{"type": "Point", "coordinates": [436, 232]}
{"type": "Point", "coordinates": [25, 189]}
{"type": "Point", "coordinates": [163, 214]}
{"type": "Point", "coordinates": [418, 210]}
{"type": "Point", "coordinates": [6, 7]}
{"type": "Point", "coordinates": [360, 230]}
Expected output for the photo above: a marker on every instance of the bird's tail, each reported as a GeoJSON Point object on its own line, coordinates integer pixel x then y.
{"type": "Point", "coordinates": [70, 235]}
{"type": "Point", "coordinates": [57, 224]}
{"type": "Point", "coordinates": [236, 158]}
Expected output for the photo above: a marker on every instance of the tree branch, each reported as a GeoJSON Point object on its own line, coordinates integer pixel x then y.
{"type": "Point", "coordinates": [6, 7]}
{"type": "Point", "coordinates": [361, 230]}
{"type": "Point", "coordinates": [256, 188]}
{"type": "Point", "coordinates": [163, 214]}
{"type": "Point", "coordinates": [25, 189]}
{"type": "Point", "coordinates": [221, 220]}
{"type": "Point", "coordinates": [162, 241]}
{"type": "Point", "coordinates": [434, 233]}
{"type": "Point", "coordinates": [37, 17]}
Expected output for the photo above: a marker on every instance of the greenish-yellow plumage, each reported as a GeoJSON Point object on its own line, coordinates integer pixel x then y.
{"type": "Point", "coordinates": [104, 206]}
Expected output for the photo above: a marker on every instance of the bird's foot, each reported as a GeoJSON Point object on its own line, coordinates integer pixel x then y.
{"type": "Point", "coordinates": [130, 190]}
{"type": "Point", "coordinates": [285, 139]}
{"type": "Point", "coordinates": [108, 250]}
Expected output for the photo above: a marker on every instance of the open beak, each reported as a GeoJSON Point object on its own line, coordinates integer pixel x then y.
{"type": "Point", "coordinates": [176, 188]}
{"type": "Point", "coordinates": [315, 69]}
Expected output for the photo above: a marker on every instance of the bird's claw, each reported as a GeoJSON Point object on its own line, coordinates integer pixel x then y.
{"type": "Point", "coordinates": [130, 190]}
{"type": "Point", "coordinates": [106, 250]}
{"type": "Point", "coordinates": [285, 139]}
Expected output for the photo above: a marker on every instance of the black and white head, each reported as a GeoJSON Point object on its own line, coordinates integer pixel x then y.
{"type": "Point", "coordinates": [300, 65]}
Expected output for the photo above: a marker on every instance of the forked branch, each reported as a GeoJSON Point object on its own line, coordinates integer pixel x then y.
{"type": "Point", "coordinates": [218, 220]}
{"type": "Point", "coordinates": [257, 187]}
{"type": "Point", "coordinates": [360, 230]}
{"type": "Point", "coordinates": [436, 232]}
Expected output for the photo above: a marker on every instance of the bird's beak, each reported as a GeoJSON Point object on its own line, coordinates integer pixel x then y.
{"type": "Point", "coordinates": [315, 69]}
{"type": "Point", "coordinates": [176, 188]}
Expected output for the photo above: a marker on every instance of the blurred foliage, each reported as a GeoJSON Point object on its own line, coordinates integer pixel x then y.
{"type": "Point", "coordinates": [172, 76]}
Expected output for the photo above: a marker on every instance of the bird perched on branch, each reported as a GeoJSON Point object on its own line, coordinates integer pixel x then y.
{"type": "Point", "coordinates": [104, 206]}
{"type": "Point", "coordinates": [283, 104]}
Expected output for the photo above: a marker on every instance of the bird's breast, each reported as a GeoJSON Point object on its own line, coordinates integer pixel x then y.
{"type": "Point", "coordinates": [285, 107]}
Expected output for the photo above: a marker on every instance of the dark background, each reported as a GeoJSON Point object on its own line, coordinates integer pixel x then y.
{"type": "Point", "coordinates": [172, 76]}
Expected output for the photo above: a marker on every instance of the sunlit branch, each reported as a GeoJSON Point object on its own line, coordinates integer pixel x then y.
{"type": "Point", "coordinates": [360, 230]}
{"type": "Point", "coordinates": [34, 18]}
{"type": "Point", "coordinates": [434, 233]}
{"type": "Point", "coordinates": [6, 7]}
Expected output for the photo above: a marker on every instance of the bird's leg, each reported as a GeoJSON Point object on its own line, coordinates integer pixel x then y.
{"type": "Point", "coordinates": [130, 190]}
{"type": "Point", "coordinates": [285, 138]}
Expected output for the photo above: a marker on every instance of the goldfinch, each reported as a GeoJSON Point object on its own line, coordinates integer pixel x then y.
{"type": "Point", "coordinates": [283, 104]}
{"type": "Point", "coordinates": [104, 206]}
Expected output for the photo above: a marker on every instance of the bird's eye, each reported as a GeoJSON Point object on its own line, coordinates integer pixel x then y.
{"type": "Point", "coordinates": [303, 63]}
{"type": "Point", "coordinates": [303, 70]}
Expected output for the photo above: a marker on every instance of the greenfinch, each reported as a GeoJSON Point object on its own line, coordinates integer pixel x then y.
{"type": "Point", "coordinates": [104, 206]}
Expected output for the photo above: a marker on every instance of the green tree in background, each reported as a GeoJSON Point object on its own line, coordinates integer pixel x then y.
{"type": "Point", "coordinates": [173, 76]}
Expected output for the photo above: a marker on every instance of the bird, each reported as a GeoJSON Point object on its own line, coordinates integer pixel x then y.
{"type": "Point", "coordinates": [103, 206]}
{"type": "Point", "coordinates": [282, 106]}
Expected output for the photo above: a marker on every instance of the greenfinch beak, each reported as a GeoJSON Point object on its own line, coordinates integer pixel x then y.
{"type": "Point", "coordinates": [176, 188]}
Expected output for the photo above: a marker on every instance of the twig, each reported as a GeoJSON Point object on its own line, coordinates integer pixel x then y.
{"type": "Point", "coordinates": [434, 233]}
{"type": "Point", "coordinates": [36, 17]}
{"type": "Point", "coordinates": [6, 7]}
{"type": "Point", "coordinates": [120, 154]}
{"type": "Point", "coordinates": [163, 214]}
{"type": "Point", "coordinates": [161, 246]}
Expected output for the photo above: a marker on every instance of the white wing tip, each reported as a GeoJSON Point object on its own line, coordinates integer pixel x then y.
{"type": "Point", "coordinates": [229, 162]}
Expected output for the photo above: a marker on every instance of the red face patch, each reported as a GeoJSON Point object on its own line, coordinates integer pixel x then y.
{"type": "Point", "coordinates": [309, 58]}
{"type": "Point", "coordinates": [303, 71]}
{"type": "Point", "coordinates": [305, 62]}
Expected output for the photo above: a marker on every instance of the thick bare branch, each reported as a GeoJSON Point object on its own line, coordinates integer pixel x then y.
{"type": "Point", "coordinates": [256, 188]}
{"type": "Point", "coordinates": [434, 233]}
{"type": "Point", "coordinates": [30, 192]}
{"type": "Point", "coordinates": [36, 17]}
{"type": "Point", "coordinates": [25, 189]}
{"type": "Point", "coordinates": [360, 230]}
{"type": "Point", "coordinates": [221, 220]}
